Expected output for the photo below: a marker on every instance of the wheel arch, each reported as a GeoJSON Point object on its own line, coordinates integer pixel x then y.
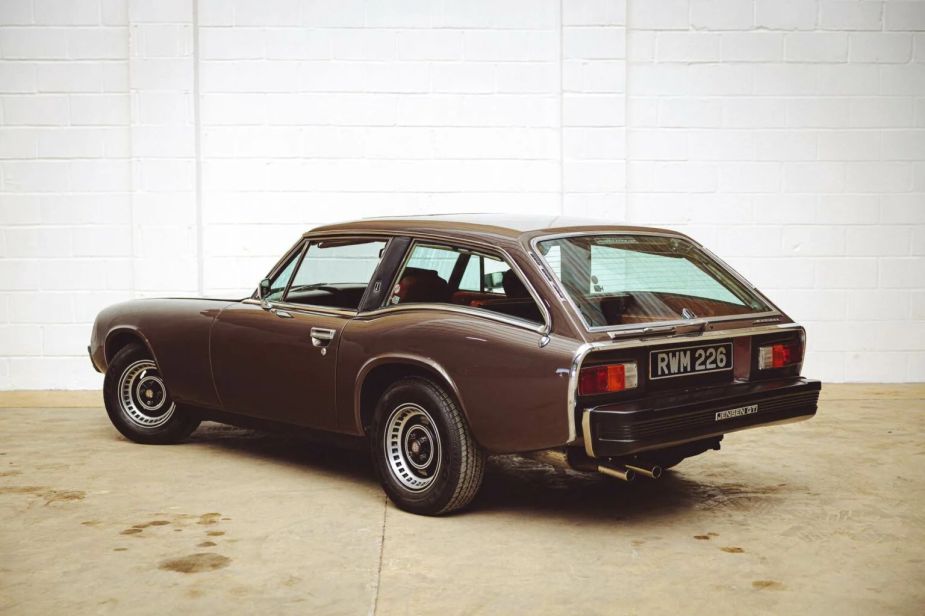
{"type": "Point", "coordinates": [378, 373]}
{"type": "Point", "coordinates": [119, 338]}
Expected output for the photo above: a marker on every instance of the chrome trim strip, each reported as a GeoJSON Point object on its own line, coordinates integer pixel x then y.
{"type": "Point", "coordinates": [608, 328]}
{"type": "Point", "coordinates": [582, 352]}
{"type": "Point", "coordinates": [586, 435]}
{"type": "Point", "coordinates": [476, 312]}
{"type": "Point", "coordinates": [304, 308]}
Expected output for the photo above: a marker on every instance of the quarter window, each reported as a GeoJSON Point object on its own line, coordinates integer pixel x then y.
{"type": "Point", "coordinates": [450, 275]}
{"type": "Point", "coordinates": [281, 280]}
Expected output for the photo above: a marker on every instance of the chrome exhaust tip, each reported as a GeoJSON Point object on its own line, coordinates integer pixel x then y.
{"type": "Point", "coordinates": [624, 473]}
{"type": "Point", "coordinates": [652, 472]}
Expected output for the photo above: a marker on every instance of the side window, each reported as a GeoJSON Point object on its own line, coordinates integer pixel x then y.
{"type": "Point", "coordinates": [484, 274]}
{"type": "Point", "coordinates": [281, 280]}
{"type": "Point", "coordinates": [335, 272]}
{"type": "Point", "coordinates": [445, 275]}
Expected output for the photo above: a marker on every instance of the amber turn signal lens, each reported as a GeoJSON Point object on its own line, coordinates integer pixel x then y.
{"type": "Point", "coordinates": [607, 379]}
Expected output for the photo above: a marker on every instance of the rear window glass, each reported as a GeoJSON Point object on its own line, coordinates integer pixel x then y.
{"type": "Point", "coordinates": [627, 279]}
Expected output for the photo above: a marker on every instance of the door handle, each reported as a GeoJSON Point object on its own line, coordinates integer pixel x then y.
{"type": "Point", "coordinates": [322, 336]}
{"type": "Point", "coordinates": [281, 313]}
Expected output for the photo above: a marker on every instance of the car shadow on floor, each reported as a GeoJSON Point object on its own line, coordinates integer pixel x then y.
{"type": "Point", "coordinates": [518, 485]}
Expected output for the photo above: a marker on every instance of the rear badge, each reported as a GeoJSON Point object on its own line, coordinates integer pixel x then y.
{"type": "Point", "coordinates": [739, 412]}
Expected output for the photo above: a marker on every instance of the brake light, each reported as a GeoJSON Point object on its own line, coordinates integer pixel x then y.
{"type": "Point", "coordinates": [607, 379]}
{"type": "Point", "coordinates": [779, 355]}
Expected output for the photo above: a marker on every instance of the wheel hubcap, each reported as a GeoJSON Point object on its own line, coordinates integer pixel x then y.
{"type": "Point", "coordinates": [143, 396]}
{"type": "Point", "coordinates": [412, 447]}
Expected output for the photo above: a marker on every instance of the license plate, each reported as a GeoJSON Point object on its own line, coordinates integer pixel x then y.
{"type": "Point", "coordinates": [739, 412]}
{"type": "Point", "coordinates": [667, 363]}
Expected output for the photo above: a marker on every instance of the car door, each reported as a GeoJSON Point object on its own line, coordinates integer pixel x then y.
{"type": "Point", "coordinates": [276, 359]}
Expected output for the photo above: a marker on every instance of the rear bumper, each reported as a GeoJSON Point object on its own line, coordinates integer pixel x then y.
{"type": "Point", "coordinates": [662, 421]}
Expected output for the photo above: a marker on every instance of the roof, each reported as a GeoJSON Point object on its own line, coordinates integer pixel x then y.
{"type": "Point", "coordinates": [511, 226]}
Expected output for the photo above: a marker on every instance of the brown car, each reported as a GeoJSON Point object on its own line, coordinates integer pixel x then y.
{"type": "Point", "coordinates": [443, 339]}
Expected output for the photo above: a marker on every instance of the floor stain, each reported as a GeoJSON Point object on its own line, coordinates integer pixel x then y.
{"type": "Point", "coordinates": [90, 523]}
{"type": "Point", "coordinates": [195, 563]}
{"type": "Point", "coordinates": [56, 496]}
{"type": "Point", "coordinates": [151, 523]}
{"type": "Point", "coordinates": [50, 496]}
{"type": "Point", "coordinates": [207, 519]}
{"type": "Point", "coordinates": [206, 544]}
{"type": "Point", "coordinates": [130, 531]}
{"type": "Point", "coordinates": [215, 533]}
{"type": "Point", "coordinates": [732, 550]}
{"type": "Point", "coordinates": [21, 489]}
{"type": "Point", "coordinates": [702, 537]}
{"type": "Point", "coordinates": [10, 473]}
{"type": "Point", "coordinates": [120, 549]}
{"type": "Point", "coordinates": [767, 584]}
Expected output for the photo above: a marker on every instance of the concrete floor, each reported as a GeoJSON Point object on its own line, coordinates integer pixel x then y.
{"type": "Point", "coordinates": [826, 516]}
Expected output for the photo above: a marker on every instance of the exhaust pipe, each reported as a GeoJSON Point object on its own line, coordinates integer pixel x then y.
{"type": "Point", "coordinates": [620, 472]}
{"type": "Point", "coordinates": [652, 472]}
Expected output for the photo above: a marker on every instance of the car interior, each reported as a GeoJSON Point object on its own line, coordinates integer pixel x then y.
{"type": "Point", "coordinates": [502, 292]}
{"type": "Point", "coordinates": [461, 280]}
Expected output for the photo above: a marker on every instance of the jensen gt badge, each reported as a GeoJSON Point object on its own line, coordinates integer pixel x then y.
{"type": "Point", "coordinates": [751, 409]}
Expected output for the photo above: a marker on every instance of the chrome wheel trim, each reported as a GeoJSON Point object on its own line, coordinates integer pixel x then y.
{"type": "Point", "coordinates": [411, 445]}
{"type": "Point", "coordinates": [143, 397]}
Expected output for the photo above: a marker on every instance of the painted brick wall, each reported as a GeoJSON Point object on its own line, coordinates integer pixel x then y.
{"type": "Point", "coordinates": [789, 137]}
{"type": "Point", "coordinates": [178, 146]}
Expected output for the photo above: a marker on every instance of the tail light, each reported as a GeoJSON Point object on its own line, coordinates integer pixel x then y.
{"type": "Point", "coordinates": [780, 355]}
{"type": "Point", "coordinates": [608, 378]}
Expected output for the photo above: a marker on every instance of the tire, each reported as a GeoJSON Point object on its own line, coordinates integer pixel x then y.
{"type": "Point", "coordinates": [426, 458]}
{"type": "Point", "coordinates": [138, 403]}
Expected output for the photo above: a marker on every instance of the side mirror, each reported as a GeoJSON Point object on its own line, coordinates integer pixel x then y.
{"type": "Point", "coordinates": [263, 290]}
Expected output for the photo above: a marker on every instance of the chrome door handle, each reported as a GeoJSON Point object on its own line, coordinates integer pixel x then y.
{"type": "Point", "coordinates": [281, 313]}
{"type": "Point", "coordinates": [321, 336]}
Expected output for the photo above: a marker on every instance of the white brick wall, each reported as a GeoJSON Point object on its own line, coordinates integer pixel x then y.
{"type": "Point", "coordinates": [176, 147]}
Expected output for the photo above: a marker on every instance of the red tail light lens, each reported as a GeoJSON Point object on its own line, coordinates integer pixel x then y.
{"type": "Point", "coordinates": [779, 355]}
{"type": "Point", "coordinates": [607, 379]}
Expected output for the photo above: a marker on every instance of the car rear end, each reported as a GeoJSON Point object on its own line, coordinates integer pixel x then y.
{"type": "Point", "coordinates": [680, 349]}
{"type": "Point", "coordinates": [645, 395]}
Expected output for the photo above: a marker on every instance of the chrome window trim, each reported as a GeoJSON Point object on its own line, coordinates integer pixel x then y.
{"type": "Point", "coordinates": [304, 308]}
{"type": "Point", "coordinates": [416, 240]}
{"type": "Point", "coordinates": [476, 312]}
{"type": "Point", "coordinates": [585, 349]}
{"type": "Point", "coordinates": [564, 296]}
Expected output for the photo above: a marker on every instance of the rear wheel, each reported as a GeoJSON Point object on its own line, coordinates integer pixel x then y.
{"type": "Point", "coordinates": [427, 461]}
{"type": "Point", "coordinates": [138, 403]}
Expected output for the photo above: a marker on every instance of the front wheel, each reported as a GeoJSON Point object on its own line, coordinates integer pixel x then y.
{"type": "Point", "coordinates": [426, 459]}
{"type": "Point", "coordinates": [138, 403]}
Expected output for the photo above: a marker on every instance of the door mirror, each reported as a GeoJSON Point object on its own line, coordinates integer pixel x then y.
{"type": "Point", "coordinates": [263, 290]}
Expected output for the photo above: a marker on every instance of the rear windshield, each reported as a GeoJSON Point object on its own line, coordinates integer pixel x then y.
{"type": "Point", "coordinates": [628, 279]}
